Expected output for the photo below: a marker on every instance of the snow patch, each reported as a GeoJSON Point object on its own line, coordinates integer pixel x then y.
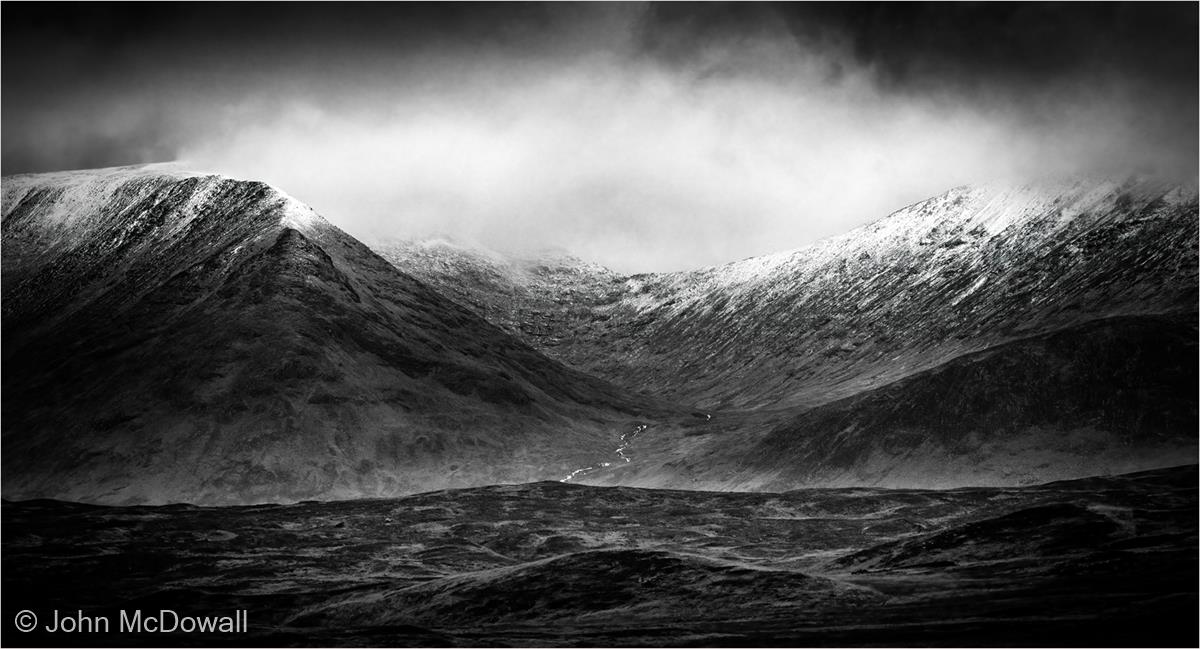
{"type": "Point", "coordinates": [299, 216]}
{"type": "Point", "coordinates": [974, 287]}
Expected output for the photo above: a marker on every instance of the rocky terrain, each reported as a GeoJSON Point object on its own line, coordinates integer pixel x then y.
{"type": "Point", "coordinates": [543, 299]}
{"type": "Point", "coordinates": [180, 337]}
{"type": "Point", "coordinates": [1098, 562]}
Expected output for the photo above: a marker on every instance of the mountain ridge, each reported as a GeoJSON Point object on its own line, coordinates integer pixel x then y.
{"type": "Point", "coordinates": [214, 340]}
{"type": "Point", "coordinates": [887, 309]}
{"type": "Point", "coordinates": [660, 328]}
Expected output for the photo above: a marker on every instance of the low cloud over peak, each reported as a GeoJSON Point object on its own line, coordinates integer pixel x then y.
{"type": "Point", "coordinates": [646, 137]}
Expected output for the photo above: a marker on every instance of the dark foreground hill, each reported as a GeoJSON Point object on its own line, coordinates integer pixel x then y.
{"type": "Point", "coordinates": [1098, 562]}
{"type": "Point", "coordinates": [182, 337]}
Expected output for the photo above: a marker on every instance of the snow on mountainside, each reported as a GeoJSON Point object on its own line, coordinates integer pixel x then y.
{"type": "Point", "coordinates": [543, 299]}
{"type": "Point", "coordinates": [172, 336]}
{"type": "Point", "coordinates": [960, 272]}
{"type": "Point", "coordinates": [990, 335]}
{"type": "Point", "coordinates": [957, 273]}
{"type": "Point", "coordinates": [176, 336]}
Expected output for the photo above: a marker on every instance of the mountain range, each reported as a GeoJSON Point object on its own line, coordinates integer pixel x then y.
{"type": "Point", "coordinates": [172, 336]}
{"type": "Point", "coordinates": [990, 335]}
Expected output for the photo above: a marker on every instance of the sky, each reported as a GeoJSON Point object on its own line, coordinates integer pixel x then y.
{"type": "Point", "coordinates": [646, 137]}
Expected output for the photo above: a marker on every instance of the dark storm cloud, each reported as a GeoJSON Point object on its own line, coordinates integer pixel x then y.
{"type": "Point", "coordinates": [1026, 44]}
{"type": "Point", "coordinates": [89, 83]}
{"type": "Point", "coordinates": [645, 136]}
{"type": "Point", "coordinates": [970, 45]}
{"type": "Point", "coordinates": [95, 84]}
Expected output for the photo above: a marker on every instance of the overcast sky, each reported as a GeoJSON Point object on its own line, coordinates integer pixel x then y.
{"type": "Point", "coordinates": [644, 137]}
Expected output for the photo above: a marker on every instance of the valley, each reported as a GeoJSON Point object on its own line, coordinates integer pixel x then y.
{"type": "Point", "coordinates": [998, 335]}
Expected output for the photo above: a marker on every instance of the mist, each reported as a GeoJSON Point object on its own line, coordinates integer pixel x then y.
{"type": "Point", "coordinates": [620, 133]}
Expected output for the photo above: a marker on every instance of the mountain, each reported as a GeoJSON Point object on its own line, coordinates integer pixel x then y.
{"type": "Point", "coordinates": [990, 335]}
{"type": "Point", "coordinates": [173, 336]}
{"type": "Point", "coordinates": [545, 299]}
{"type": "Point", "coordinates": [1102, 398]}
{"type": "Point", "coordinates": [957, 273]}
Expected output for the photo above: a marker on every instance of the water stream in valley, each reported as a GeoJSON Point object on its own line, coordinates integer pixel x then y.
{"type": "Point", "coordinates": [626, 442]}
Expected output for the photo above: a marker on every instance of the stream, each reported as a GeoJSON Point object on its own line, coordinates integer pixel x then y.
{"type": "Point", "coordinates": [626, 442]}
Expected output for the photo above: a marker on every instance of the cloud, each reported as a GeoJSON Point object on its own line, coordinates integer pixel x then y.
{"type": "Point", "coordinates": [645, 138]}
{"type": "Point", "coordinates": [645, 167]}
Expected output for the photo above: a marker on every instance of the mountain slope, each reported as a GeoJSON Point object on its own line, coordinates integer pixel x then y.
{"type": "Point", "coordinates": [170, 336]}
{"type": "Point", "coordinates": [1102, 398]}
{"type": "Point", "coordinates": [991, 335]}
{"type": "Point", "coordinates": [955, 274]}
{"type": "Point", "coordinates": [544, 299]}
